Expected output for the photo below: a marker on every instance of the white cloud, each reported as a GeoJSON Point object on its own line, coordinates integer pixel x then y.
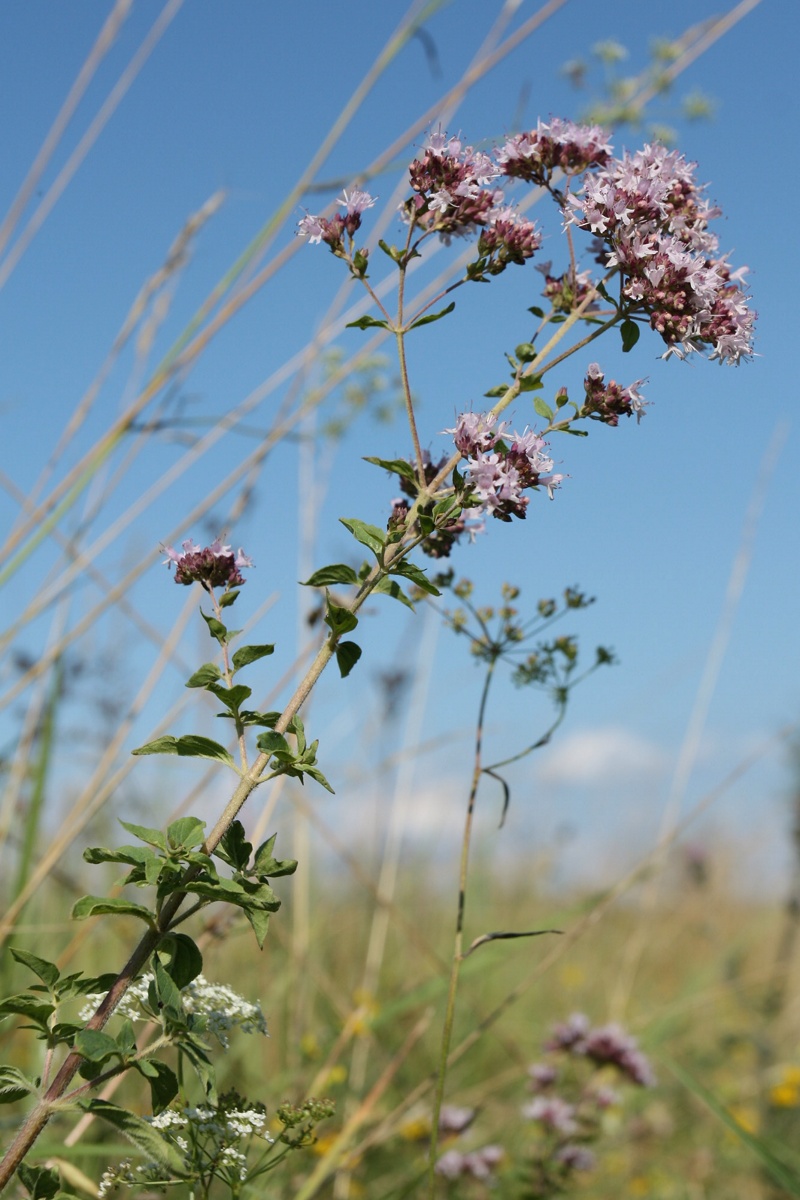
{"type": "Point", "coordinates": [599, 756]}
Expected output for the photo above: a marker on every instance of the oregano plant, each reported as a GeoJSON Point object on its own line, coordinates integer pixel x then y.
{"type": "Point", "coordinates": [638, 254]}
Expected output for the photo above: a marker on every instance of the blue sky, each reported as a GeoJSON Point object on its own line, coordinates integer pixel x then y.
{"type": "Point", "coordinates": [238, 97]}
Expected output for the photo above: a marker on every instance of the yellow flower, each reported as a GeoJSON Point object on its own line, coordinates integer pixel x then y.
{"type": "Point", "coordinates": [417, 1129]}
{"type": "Point", "coordinates": [785, 1095]}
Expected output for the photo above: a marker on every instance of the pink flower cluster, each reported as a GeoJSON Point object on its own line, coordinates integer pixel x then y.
{"type": "Point", "coordinates": [500, 468]}
{"type": "Point", "coordinates": [212, 566]}
{"type": "Point", "coordinates": [649, 212]}
{"type": "Point", "coordinates": [608, 402]}
{"type": "Point", "coordinates": [480, 1164]}
{"type": "Point", "coordinates": [332, 230]}
{"type": "Point", "coordinates": [452, 196]}
{"type": "Point", "coordinates": [606, 1044]}
{"type": "Point", "coordinates": [555, 144]}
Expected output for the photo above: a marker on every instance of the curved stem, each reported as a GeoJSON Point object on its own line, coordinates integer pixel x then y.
{"type": "Point", "coordinates": [447, 1031]}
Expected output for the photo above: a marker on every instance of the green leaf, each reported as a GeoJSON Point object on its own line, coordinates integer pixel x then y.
{"type": "Point", "coordinates": [25, 1005]}
{"type": "Point", "coordinates": [163, 1082]}
{"type": "Point", "coordinates": [411, 571]}
{"type": "Point", "coordinates": [395, 254]}
{"type": "Point", "coordinates": [390, 587]}
{"type": "Point", "coordinates": [368, 535]}
{"type": "Point", "coordinates": [164, 995]}
{"type": "Point", "coordinates": [537, 312]}
{"type": "Point", "coordinates": [189, 746]}
{"type": "Point", "coordinates": [340, 620]}
{"type": "Point", "coordinates": [270, 742]}
{"type": "Point", "coordinates": [14, 1085]}
{"type": "Point", "coordinates": [254, 717]}
{"type": "Point", "coordinates": [96, 1046]}
{"type": "Point", "coordinates": [268, 866]}
{"type": "Point", "coordinates": [366, 322]}
{"type": "Point", "coordinates": [574, 432]}
{"type": "Point", "coordinates": [194, 1050]}
{"type": "Point", "coordinates": [335, 573]}
{"type": "Point", "coordinates": [43, 1183]}
{"type": "Point", "coordinates": [186, 961]}
{"type": "Point", "coordinates": [186, 832]}
{"type": "Point", "coordinates": [259, 921]}
{"type": "Point", "coordinates": [203, 676]}
{"type": "Point", "coordinates": [141, 1133]}
{"type": "Point", "coordinates": [530, 383]}
{"type": "Point", "coordinates": [427, 320]}
{"type": "Point", "coordinates": [216, 628]}
{"type": "Point", "coordinates": [248, 654]}
{"type": "Point", "coordinates": [234, 697]}
{"type": "Point", "coordinates": [234, 848]}
{"type": "Point", "coordinates": [95, 906]}
{"type": "Point", "coordinates": [396, 466]}
{"type": "Point", "coordinates": [153, 837]}
{"type": "Point", "coordinates": [347, 655]}
{"type": "Point", "coordinates": [543, 408]}
{"type": "Point", "coordinates": [228, 598]}
{"type": "Point", "coordinates": [48, 972]}
{"type": "Point", "coordinates": [315, 773]}
{"type": "Point", "coordinates": [629, 331]}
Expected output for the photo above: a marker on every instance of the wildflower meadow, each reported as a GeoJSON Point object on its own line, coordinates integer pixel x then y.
{"type": "Point", "coordinates": [321, 580]}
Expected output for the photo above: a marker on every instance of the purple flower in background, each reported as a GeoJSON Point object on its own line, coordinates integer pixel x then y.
{"type": "Point", "coordinates": [552, 1112]}
{"type": "Point", "coordinates": [611, 1044]}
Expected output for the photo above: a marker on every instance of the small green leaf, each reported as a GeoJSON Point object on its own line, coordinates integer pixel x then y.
{"type": "Point", "coordinates": [347, 655]}
{"type": "Point", "coordinates": [216, 628]}
{"type": "Point", "coordinates": [335, 573]}
{"type": "Point", "coordinates": [248, 654]}
{"type": "Point", "coordinates": [396, 466]}
{"type": "Point", "coordinates": [431, 317]}
{"type": "Point", "coordinates": [259, 921]}
{"type": "Point", "coordinates": [234, 848]}
{"type": "Point", "coordinates": [629, 331]}
{"type": "Point", "coordinates": [228, 598]}
{"type": "Point", "coordinates": [203, 676]}
{"type": "Point", "coordinates": [340, 620]}
{"type": "Point", "coordinates": [537, 312]}
{"type": "Point", "coordinates": [153, 837]}
{"type": "Point", "coordinates": [315, 773]}
{"type": "Point", "coordinates": [270, 742]}
{"type": "Point", "coordinates": [543, 408]}
{"type": "Point", "coordinates": [32, 1007]}
{"type": "Point", "coordinates": [366, 322]}
{"type": "Point", "coordinates": [395, 254]}
{"type": "Point", "coordinates": [574, 432]}
{"type": "Point", "coordinates": [234, 697]}
{"type": "Point", "coordinates": [530, 383]}
{"type": "Point", "coordinates": [95, 906]}
{"type": "Point", "coordinates": [268, 866]}
{"type": "Point", "coordinates": [368, 535]}
{"type": "Point", "coordinates": [186, 961]}
{"type": "Point", "coordinates": [96, 1046]}
{"type": "Point", "coordinates": [48, 972]}
{"type": "Point", "coordinates": [14, 1085]}
{"type": "Point", "coordinates": [189, 746]}
{"type": "Point", "coordinates": [43, 1183]}
{"type": "Point", "coordinates": [186, 832]}
{"type": "Point", "coordinates": [141, 1133]}
{"type": "Point", "coordinates": [163, 1082]}
{"type": "Point", "coordinates": [390, 587]}
{"type": "Point", "coordinates": [411, 571]}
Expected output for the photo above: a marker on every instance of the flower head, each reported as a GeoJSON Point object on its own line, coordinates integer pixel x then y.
{"type": "Point", "coordinates": [212, 566]}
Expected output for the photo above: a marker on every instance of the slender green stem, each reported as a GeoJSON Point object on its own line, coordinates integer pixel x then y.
{"type": "Point", "coordinates": [455, 969]}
